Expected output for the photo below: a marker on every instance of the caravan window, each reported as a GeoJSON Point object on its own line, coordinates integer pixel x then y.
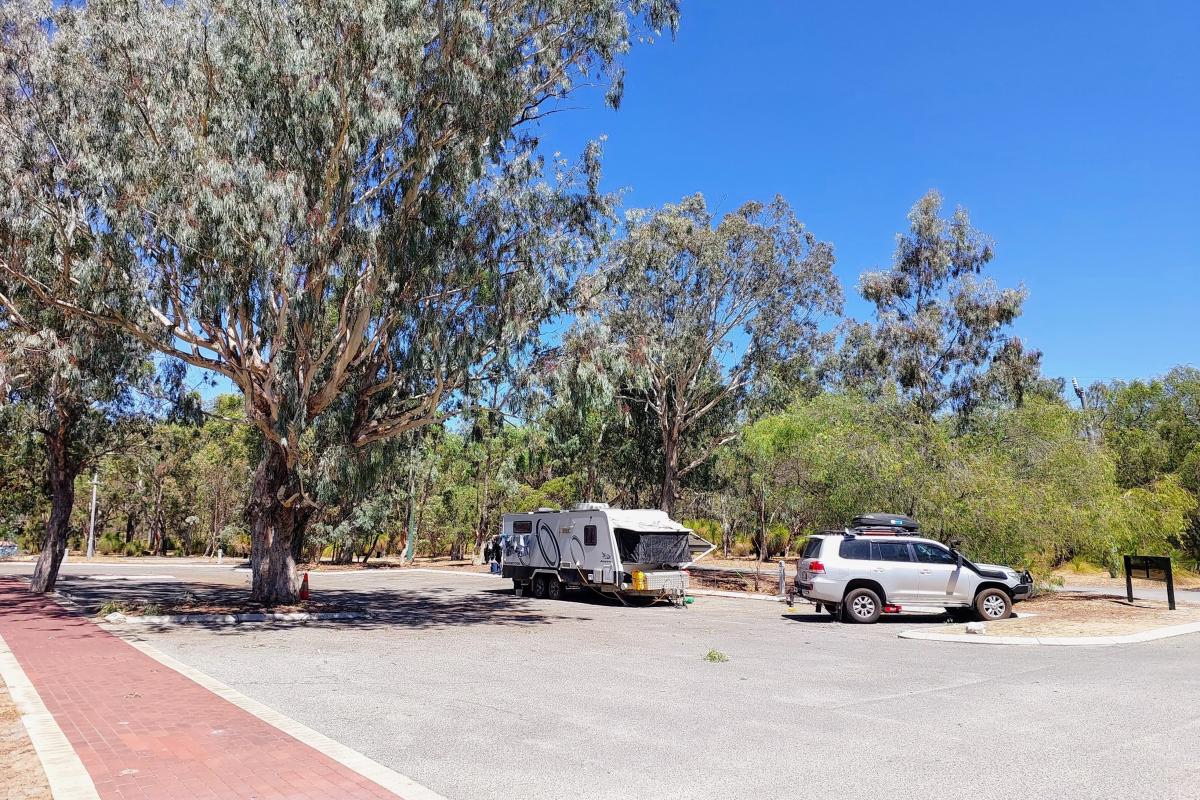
{"type": "Point", "coordinates": [523, 526]}
{"type": "Point", "coordinates": [589, 535]}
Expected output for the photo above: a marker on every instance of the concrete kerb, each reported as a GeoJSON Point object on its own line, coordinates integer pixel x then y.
{"type": "Point", "coordinates": [774, 598]}
{"type": "Point", "coordinates": [402, 785]}
{"type": "Point", "coordinates": [1057, 641]}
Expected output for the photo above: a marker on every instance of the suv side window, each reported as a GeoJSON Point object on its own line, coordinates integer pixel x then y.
{"type": "Point", "coordinates": [812, 548]}
{"type": "Point", "coordinates": [890, 551]}
{"type": "Point", "coordinates": [859, 549]}
{"type": "Point", "coordinates": [932, 554]}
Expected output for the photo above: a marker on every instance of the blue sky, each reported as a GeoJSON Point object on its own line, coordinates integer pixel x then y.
{"type": "Point", "coordinates": [1071, 131]}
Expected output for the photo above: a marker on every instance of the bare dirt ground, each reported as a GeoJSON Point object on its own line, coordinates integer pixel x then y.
{"type": "Point", "coordinates": [21, 775]}
{"type": "Point", "coordinates": [1069, 614]}
{"type": "Point", "coordinates": [1100, 579]}
{"type": "Point", "coordinates": [747, 562]}
{"type": "Point", "coordinates": [768, 582]}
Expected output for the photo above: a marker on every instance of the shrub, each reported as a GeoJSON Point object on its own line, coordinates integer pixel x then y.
{"type": "Point", "coordinates": [112, 607]}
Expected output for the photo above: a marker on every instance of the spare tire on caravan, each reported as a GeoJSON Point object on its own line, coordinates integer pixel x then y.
{"type": "Point", "coordinates": [618, 552]}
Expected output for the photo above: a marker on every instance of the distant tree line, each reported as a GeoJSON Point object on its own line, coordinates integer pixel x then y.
{"type": "Point", "coordinates": [346, 210]}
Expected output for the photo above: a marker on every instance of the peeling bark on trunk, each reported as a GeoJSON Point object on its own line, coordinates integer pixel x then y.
{"type": "Point", "coordinates": [62, 500]}
{"type": "Point", "coordinates": [278, 519]}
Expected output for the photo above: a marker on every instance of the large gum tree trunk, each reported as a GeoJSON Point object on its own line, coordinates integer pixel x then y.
{"type": "Point", "coordinates": [278, 518]}
{"type": "Point", "coordinates": [62, 501]}
{"type": "Point", "coordinates": [670, 482]}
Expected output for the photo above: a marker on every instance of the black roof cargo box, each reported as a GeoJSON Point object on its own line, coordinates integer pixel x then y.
{"type": "Point", "coordinates": [885, 521]}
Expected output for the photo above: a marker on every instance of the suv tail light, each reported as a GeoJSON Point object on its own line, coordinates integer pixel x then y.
{"type": "Point", "coordinates": [816, 566]}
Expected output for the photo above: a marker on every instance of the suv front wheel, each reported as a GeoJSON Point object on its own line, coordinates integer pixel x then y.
{"type": "Point", "coordinates": [992, 605]}
{"type": "Point", "coordinates": [861, 606]}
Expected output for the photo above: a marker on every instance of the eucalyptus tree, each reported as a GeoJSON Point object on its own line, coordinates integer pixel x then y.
{"type": "Point", "coordinates": [684, 293]}
{"type": "Point", "coordinates": [22, 477]}
{"type": "Point", "coordinates": [75, 387]}
{"type": "Point", "coordinates": [940, 326]}
{"type": "Point", "coordinates": [341, 206]}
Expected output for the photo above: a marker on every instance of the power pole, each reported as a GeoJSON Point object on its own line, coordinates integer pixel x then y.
{"type": "Point", "coordinates": [1087, 419]}
{"type": "Point", "coordinates": [410, 541]}
{"type": "Point", "coordinates": [91, 547]}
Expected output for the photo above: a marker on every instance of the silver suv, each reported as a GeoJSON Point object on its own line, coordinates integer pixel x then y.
{"type": "Point", "coordinates": [859, 574]}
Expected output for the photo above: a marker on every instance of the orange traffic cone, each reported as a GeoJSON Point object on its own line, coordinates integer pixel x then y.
{"type": "Point", "coordinates": [304, 588]}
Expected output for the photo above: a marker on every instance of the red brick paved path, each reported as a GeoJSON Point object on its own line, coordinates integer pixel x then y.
{"type": "Point", "coordinates": [144, 731]}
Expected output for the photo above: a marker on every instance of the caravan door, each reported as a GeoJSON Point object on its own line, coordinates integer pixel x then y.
{"type": "Point", "coordinates": [592, 537]}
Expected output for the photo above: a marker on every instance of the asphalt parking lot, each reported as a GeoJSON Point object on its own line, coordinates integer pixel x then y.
{"type": "Point", "coordinates": [478, 694]}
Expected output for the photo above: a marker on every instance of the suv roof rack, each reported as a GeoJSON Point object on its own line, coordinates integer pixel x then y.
{"type": "Point", "coordinates": [874, 530]}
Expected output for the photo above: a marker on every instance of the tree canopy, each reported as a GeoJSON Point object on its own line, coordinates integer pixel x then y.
{"type": "Point", "coordinates": [680, 289]}
{"type": "Point", "coordinates": [938, 326]}
{"type": "Point", "coordinates": [338, 206]}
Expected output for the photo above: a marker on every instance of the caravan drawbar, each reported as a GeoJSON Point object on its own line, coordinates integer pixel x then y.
{"type": "Point", "coordinates": [619, 552]}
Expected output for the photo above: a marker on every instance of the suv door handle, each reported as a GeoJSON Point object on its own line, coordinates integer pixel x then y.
{"type": "Point", "coordinates": [926, 572]}
{"type": "Point", "coordinates": [880, 569]}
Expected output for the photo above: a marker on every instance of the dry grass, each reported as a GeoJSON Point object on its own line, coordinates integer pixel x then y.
{"type": "Point", "coordinates": [1068, 614]}
{"type": "Point", "coordinates": [21, 774]}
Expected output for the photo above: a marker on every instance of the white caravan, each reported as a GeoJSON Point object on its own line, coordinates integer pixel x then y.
{"type": "Point", "coordinates": [622, 552]}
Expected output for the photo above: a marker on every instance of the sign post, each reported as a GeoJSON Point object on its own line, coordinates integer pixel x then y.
{"type": "Point", "coordinates": [1152, 568]}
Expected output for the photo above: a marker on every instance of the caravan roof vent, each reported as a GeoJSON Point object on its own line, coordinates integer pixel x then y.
{"type": "Point", "coordinates": [544, 510]}
{"type": "Point", "coordinates": [590, 506]}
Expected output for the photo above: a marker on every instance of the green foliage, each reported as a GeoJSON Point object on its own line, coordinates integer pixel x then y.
{"type": "Point", "coordinates": [682, 286]}
{"type": "Point", "coordinates": [113, 607]}
{"type": "Point", "coordinates": [715, 657]}
{"type": "Point", "coordinates": [939, 328]}
{"type": "Point", "coordinates": [1021, 486]}
{"type": "Point", "coordinates": [340, 206]}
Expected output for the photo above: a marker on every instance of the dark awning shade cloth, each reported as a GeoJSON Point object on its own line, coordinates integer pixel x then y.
{"type": "Point", "coordinates": [659, 549]}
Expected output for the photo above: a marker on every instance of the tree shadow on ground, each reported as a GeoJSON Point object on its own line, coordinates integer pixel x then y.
{"type": "Point", "coordinates": [586, 597]}
{"type": "Point", "coordinates": [386, 607]}
{"type": "Point", "coordinates": [822, 618]}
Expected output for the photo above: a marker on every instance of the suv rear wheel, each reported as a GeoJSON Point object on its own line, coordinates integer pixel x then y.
{"type": "Point", "coordinates": [861, 606]}
{"type": "Point", "coordinates": [992, 605]}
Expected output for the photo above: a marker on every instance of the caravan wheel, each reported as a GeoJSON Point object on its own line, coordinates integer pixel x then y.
{"type": "Point", "coordinates": [554, 588]}
{"type": "Point", "coordinates": [540, 586]}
